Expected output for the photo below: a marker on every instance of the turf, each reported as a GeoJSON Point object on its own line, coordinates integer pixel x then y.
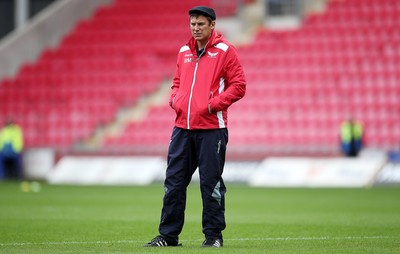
{"type": "Point", "coordinates": [120, 219]}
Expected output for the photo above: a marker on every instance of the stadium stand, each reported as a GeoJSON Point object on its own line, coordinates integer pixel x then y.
{"type": "Point", "coordinates": [105, 63]}
{"type": "Point", "coordinates": [305, 82]}
{"type": "Point", "coordinates": [301, 83]}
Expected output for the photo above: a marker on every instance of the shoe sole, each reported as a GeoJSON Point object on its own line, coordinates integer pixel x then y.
{"type": "Point", "coordinates": [179, 245]}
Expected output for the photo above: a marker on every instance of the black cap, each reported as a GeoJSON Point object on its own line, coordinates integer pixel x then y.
{"type": "Point", "coordinates": [204, 10]}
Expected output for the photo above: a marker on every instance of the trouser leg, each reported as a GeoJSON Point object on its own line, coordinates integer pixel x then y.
{"type": "Point", "coordinates": [182, 163]}
{"type": "Point", "coordinates": [14, 166]}
{"type": "Point", "coordinates": [211, 152]}
{"type": "Point", "coordinates": [2, 166]}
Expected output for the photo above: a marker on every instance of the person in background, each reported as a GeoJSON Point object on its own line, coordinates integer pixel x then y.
{"type": "Point", "coordinates": [11, 147]}
{"type": "Point", "coordinates": [208, 79]}
{"type": "Point", "coordinates": [351, 134]}
{"type": "Point", "coordinates": [394, 155]}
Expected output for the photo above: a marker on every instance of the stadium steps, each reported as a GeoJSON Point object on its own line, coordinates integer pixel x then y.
{"type": "Point", "coordinates": [313, 78]}
{"type": "Point", "coordinates": [345, 58]}
{"type": "Point", "coordinates": [338, 63]}
{"type": "Point", "coordinates": [81, 84]}
{"type": "Point", "coordinates": [127, 116]}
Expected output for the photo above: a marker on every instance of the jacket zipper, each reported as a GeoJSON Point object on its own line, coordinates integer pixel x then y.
{"type": "Point", "coordinates": [191, 89]}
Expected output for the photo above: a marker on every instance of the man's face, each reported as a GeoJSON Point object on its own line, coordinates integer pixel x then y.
{"type": "Point", "coordinates": [201, 28]}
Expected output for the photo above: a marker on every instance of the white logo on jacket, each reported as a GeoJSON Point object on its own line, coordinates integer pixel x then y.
{"type": "Point", "coordinates": [212, 55]}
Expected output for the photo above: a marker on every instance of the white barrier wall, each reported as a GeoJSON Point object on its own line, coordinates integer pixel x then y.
{"type": "Point", "coordinates": [390, 174]}
{"type": "Point", "coordinates": [306, 172]}
{"type": "Point", "coordinates": [272, 172]}
{"type": "Point", "coordinates": [118, 170]}
{"type": "Point", "coordinates": [38, 163]}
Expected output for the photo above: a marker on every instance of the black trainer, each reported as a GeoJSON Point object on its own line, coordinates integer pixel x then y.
{"type": "Point", "coordinates": [160, 241]}
{"type": "Point", "coordinates": [214, 243]}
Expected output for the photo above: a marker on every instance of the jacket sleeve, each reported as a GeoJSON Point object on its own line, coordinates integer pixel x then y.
{"type": "Point", "coordinates": [235, 83]}
{"type": "Point", "coordinates": [175, 86]}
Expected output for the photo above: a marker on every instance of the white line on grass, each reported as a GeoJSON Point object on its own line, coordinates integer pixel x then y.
{"type": "Point", "coordinates": [308, 238]}
{"type": "Point", "coordinates": [323, 238]}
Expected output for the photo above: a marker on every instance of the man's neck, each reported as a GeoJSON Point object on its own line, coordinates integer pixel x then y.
{"type": "Point", "coordinates": [203, 43]}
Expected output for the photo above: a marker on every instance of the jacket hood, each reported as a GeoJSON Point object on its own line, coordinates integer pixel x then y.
{"type": "Point", "coordinates": [214, 39]}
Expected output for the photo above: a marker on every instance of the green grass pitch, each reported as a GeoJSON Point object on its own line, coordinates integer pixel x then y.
{"type": "Point", "coordinates": [120, 219]}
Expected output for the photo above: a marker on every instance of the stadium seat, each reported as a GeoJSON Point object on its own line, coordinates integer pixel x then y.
{"type": "Point", "coordinates": [301, 83]}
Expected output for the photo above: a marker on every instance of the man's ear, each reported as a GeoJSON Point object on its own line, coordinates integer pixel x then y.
{"type": "Point", "coordinates": [213, 24]}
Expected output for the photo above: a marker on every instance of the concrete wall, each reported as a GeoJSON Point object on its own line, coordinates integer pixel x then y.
{"type": "Point", "coordinates": [45, 30]}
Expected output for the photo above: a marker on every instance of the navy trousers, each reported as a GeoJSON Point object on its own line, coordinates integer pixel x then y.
{"type": "Point", "coordinates": [188, 150]}
{"type": "Point", "coordinates": [10, 165]}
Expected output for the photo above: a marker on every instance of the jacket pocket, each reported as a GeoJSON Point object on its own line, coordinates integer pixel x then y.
{"type": "Point", "coordinates": [176, 102]}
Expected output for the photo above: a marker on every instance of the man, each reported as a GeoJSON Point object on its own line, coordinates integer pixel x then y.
{"type": "Point", "coordinates": [351, 135]}
{"type": "Point", "coordinates": [208, 79]}
{"type": "Point", "coordinates": [11, 145]}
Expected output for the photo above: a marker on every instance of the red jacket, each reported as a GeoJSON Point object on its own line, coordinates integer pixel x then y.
{"type": "Point", "coordinates": [204, 87]}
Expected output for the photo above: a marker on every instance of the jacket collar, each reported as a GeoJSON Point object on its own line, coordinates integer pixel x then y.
{"type": "Point", "coordinates": [214, 39]}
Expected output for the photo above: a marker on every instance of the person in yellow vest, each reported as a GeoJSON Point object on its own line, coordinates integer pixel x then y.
{"type": "Point", "coordinates": [351, 134]}
{"type": "Point", "coordinates": [11, 147]}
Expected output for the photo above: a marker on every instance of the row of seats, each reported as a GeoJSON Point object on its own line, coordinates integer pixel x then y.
{"type": "Point", "coordinates": [301, 84]}
{"type": "Point", "coordinates": [107, 62]}
{"type": "Point", "coordinates": [344, 67]}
